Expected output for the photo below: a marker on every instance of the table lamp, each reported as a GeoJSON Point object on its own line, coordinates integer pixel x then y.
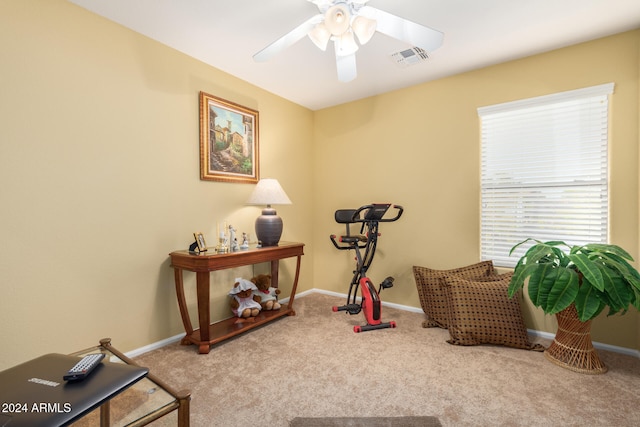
{"type": "Point", "coordinates": [268, 225]}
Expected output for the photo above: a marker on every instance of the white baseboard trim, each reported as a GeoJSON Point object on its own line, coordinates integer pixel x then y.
{"type": "Point", "coordinates": [533, 332]}
{"type": "Point", "coordinates": [154, 346]}
{"type": "Point", "coordinates": [385, 304]}
{"type": "Point", "coordinates": [597, 345]}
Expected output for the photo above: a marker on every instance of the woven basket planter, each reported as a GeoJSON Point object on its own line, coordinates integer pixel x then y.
{"type": "Point", "coordinates": [572, 347]}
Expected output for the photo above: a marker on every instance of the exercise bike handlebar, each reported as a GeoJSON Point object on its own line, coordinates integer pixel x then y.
{"type": "Point", "coordinates": [375, 213]}
{"type": "Point", "coordinates": [356, 215]}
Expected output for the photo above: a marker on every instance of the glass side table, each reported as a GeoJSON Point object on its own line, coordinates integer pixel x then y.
{"type": "Point", "coordinates": [144, 402]}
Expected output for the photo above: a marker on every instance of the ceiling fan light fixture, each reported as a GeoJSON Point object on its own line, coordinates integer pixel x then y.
{"type": "Point", "coordinates": [364, 28]}
{"type": "Point", "coordinates": [346, 44]}
{"type": "Point", "coordinates": [341, 21]}
{"type": "Point", "coordinates": [337, 19]}
{"type": "Point", "coordinates": [320, 36]}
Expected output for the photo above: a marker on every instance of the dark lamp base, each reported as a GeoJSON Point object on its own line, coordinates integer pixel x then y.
{"type": "Point", "coordinates": [269, 227]}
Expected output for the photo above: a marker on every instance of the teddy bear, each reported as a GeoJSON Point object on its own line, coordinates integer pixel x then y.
{"type": "Point", "coordinates": [242, 302]}
{"type": "Point", "coordinates": [264, 293]}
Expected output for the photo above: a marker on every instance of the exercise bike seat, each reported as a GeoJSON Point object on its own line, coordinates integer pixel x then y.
{"type": "Point", "coordinates": [353, 239]}
{"type": "Point", "coordinates": [346, 216]}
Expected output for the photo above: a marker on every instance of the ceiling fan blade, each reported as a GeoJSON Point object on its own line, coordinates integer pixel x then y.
{"type": "Point", "coordinates": [405, 30]}
{"type": "Point", "coordinates": [346, 67]}
{"type": "Point", "coordinates": [288, 39]}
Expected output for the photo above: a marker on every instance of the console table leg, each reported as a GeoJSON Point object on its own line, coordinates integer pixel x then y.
{"type": "Point", "coordinates": [182, 304]}
{"type": "Point", "coordinates": [295, 287]}
{"type": "Point", "coordinates": [275, 268]}
{"type": "Point", "coordinates": [202, 283]}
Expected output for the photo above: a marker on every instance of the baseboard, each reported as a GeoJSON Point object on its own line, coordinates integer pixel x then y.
{"type": "Point", "coordinates": [597, 345]}
{"type": "Point", "coordinates": [533, 332]}
{"type": "Point", "coordinates": [159, 344]}
{"type": "Point", "coordinates": [385, 304]}
{"type": "Point", "coordinates": [154, 346]}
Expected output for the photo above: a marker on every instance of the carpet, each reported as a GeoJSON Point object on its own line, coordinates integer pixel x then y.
{"type": "Point", "coordinates": [314, 365]}
{"type": "Point", "coordinates": [366, 422]}
{"type": "Point", "coordinates": [122, 407]}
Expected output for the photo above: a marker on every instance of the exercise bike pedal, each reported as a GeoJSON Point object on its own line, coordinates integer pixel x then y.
{"type": "Point", "coordinates": [387, 283]}
{"type": "Point", "coordinates": [350, 308]}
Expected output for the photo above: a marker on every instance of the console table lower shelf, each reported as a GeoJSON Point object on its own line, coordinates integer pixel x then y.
{"type": "Point", "coordinates": [203, 264]}
{"type": "Point", "coordinates": [228, 328]}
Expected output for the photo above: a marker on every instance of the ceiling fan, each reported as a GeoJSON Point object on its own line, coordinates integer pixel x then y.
{"type": "Point", "coordinates": [341, 21]}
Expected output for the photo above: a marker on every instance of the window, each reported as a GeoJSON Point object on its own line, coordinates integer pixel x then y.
{"type": "Point", "coordinates": [544, 171]}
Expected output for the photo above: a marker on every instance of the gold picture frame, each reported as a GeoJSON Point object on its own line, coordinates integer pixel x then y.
{"type": "Point", "coordinates": [229, 141]}
{"type": "Point", "coordinates": [202, 245]}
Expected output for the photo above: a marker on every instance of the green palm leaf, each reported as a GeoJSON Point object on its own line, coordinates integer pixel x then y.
{"type": "Point", "coordinates": [589, 270]}
{"type": "Point", "coordinates": [588, 303]}
{"type": "Point", "coordinates": [592, 277]}
{"type": "Point", "coordinates": [620, 295]}
{"type": "Point", "coordinates": [521, 272]}
{"type": "Point", "coordinates": [563, 290]}
{"type": "Point", "coordinates": [636, 302]}
{"type": "Point", "coordinates": [613, 249]}
{"type": "Point", "coordinates": [629, 273]}
{"type": "Point", "coordinates": [538, 253]}
{"type": "Point", "coordinates": [538, 290]}
{"type": "Point", "coordinates": [517, 245]}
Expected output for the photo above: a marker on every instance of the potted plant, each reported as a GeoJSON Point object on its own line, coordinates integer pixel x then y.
{"type": "Point", "coordinates": [576, 283]}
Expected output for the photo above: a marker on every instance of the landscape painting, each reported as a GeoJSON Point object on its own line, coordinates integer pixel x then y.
{"type": "Point", "coordinates": [228, 141]}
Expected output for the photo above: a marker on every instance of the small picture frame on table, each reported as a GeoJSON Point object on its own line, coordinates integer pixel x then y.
{"type": "Point", "coordinates": [201, 244]}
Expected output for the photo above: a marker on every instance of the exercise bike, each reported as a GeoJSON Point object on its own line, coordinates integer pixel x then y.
{"type": "Point", "coordinates": [364, 245]}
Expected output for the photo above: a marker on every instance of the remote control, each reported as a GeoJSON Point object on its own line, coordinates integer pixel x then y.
{"type": "Point", "coordinates": [84, 367]}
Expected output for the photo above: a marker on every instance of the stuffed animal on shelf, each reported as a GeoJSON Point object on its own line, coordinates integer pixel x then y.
{"type": "Point", "coordinates": [264, 293]}
{"type": "Point", "coordinates": [242, 303]}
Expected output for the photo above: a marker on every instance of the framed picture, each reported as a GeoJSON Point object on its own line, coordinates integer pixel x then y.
{"type": "Point", "coordinates": [202, 245]}
{"type": "Point", "coordinates": [229, 147]}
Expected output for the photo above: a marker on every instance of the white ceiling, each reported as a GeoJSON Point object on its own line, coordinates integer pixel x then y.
{"type": "Point", "coordinates": [477, 33]}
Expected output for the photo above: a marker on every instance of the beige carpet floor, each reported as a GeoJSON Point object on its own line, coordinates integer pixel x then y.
{"type": "Point", "coordinates": [366, 422]}
{"type": "Point", "coordinates": [314, 365]}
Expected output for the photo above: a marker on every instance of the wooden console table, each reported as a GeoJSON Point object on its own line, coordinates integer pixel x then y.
{"type": "Point", "coordinates": [203, 264]}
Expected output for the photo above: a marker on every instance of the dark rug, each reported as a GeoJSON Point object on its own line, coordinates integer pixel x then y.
{"type": "Point", "coordinates": [366, 422]}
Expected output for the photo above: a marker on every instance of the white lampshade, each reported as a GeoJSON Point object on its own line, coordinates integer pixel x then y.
{"type": "Point", "coordinates": [337, 19]}
{"type": "Point", "coordinates": [346, 44]}
{"type": "Point", "coordinates": [269, 224]}
{"type": "Point", "coordinates": [320, 36]}
{"type": "Point", "coordinates": [268, 192]}
{"type": "Point", "coordinates": [340, 26]}
{"type": "Point", "coordinates": [364, 28]}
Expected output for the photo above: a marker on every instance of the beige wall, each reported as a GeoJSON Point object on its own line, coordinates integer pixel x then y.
{"type": "Point", "coordinates": [100, 175]}
{"type": "Point", "coordinates": [99, 164]}
{"type": "Point", "coordinates": [419, 147]}
{"type": "Point", "coordinates": [638, 57]}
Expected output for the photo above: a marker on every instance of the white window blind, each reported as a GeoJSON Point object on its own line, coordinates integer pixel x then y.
{"type": "Point", "coordinates": [544, 171]}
